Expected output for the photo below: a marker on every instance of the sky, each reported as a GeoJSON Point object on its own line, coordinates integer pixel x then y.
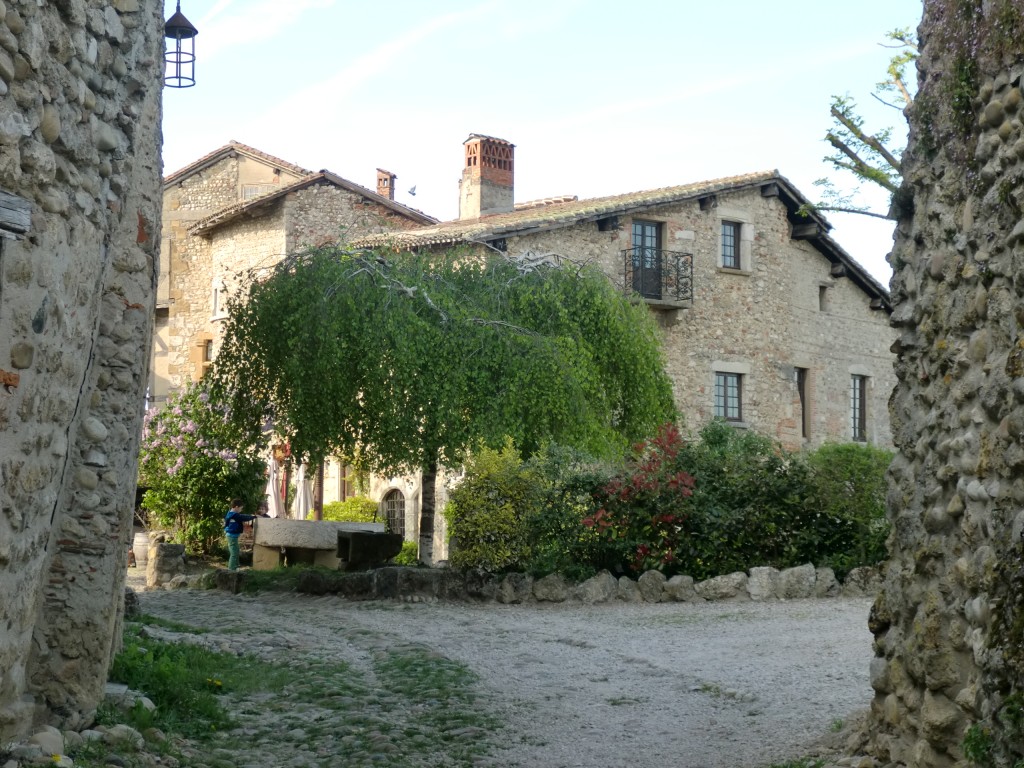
{"type": "Point", "coordinates": [600, 98]}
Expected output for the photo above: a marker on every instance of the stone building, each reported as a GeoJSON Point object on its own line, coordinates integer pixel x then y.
{"type": "Point", "coordinates": [238, 209]}
{"type": "Point", "coordinates": [766, 321]}
{"type": "Point", "coordinates": [80, 103]}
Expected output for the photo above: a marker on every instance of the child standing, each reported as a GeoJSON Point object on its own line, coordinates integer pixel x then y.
{"type": "Point", "coordinates": [234, 521]}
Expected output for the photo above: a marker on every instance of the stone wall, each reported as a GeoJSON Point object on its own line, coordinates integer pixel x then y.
{"type": "Point", "coordinates": [79, 140]}
{"type": "Point", "coordinates": [765, 320]}
{"type": "Point", "coordinates": [956, 488]}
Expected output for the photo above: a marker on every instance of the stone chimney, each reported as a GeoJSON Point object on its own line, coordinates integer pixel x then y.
{"type": "Point", "coordinates": [386, 184]}
{"type": "Point", "coordinates": [487, 177]}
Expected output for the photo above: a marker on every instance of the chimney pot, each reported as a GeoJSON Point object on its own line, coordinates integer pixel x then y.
{"type": "Point", "coordinates": [488, 177]}
{"type": "Point", "coordinates": [386, 183]}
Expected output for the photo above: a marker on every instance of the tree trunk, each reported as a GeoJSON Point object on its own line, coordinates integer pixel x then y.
{"type": "Point", "coordinates": [427, 503]}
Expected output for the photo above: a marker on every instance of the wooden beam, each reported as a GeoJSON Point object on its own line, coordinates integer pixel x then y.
{"type": "Point", "coordinates": [708, 202]}
{"type": "Point", "coordinates": [15, 215]}
{"type": "Point", "coordinates": [609, 224]}
{"type": "Point", "coordinates": [877, 303]}
{"type": "Point", "coordinates": [770, 190]}
{"type": "Point", "coordinates": [806, 231]}
{"type": "Point", "coordinates": [838, 270]}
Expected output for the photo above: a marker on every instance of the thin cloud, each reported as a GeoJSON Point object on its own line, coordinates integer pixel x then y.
{"type": "Point", "coordinates": [251, 22]}
{"type": "Point", "coordinates": [381, 58]}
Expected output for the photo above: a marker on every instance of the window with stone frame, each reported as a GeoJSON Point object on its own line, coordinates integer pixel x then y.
{"type": "Point", "coordinates": [729, 396]}
{"type": "Point", "coordinates": [218, 299]}
{"type": "Point", "coordinates": [730, 244]}
{"type": "Point", "coordinates": [394, 512]}
{"type": "Point", "coordinates": [859, 407]}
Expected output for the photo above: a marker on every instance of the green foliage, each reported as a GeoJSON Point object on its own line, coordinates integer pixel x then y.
{"type": "Point", "coordinates": [642, 513]}
{"type": "Point", "coordinates": [410, 360]}
{"type": "Point", "coordinates": [726, 502]}
{"type": "Point", "coordinates": [185, 682]}
{"type": "Point", "coordinates": [559, 541]}
{"type": "Point", "coordinates": [193, 460]}
{"type": "Point", "coordinates": [978, 745]}
{"type": "Point", "coordinates": [748, 504]}
{"type": "Point", "coordinates": [857, 151]}
{"type": "Point", "coordinates": [408, 555]}
{"type": "Point", "coordinates": [356, 509]}
{"type": "Point", "coordinates": [847, 497]}
{"type": "Point", "coordinates": [488, 510]}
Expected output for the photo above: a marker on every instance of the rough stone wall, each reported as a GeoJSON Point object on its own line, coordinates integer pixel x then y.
{"type": "Point", "coordinates": [79, 139]}
{"type": "Point", "coordinates": [956, 488]}
{"type": "Point", "coordinates": [323, 213]}
{"type": "Point", "coordinates": [765, 319]}
{"type": "Point", "coordinates": [314, 215]}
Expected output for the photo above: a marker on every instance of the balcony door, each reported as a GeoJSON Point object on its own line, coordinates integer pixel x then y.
{"type": "Point", "coordinates": [647, 258]}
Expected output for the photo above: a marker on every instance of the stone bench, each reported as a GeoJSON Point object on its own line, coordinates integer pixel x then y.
{"type": "Point", "coordinates": [346, 546]}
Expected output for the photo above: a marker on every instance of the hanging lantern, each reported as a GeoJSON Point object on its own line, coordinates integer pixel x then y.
{"type": "Point", "coordinates": [180, 56]}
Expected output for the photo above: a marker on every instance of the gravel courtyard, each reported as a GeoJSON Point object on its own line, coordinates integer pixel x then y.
{"type": "Point", "coordinates": [699, 685]}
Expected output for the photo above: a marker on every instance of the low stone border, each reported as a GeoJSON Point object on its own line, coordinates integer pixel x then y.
{"type": "Point", "coordinates": [419, 584]}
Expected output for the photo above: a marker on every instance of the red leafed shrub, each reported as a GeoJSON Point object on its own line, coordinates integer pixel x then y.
{"type": "Point", "coordinates": [641, 513]}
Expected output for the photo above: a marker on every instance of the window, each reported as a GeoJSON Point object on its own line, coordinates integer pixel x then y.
{"type": "Point", "coordinates": [394, 512]}
{"type": "Point", "coordinates": [731, 245]}
{"type": "Point", "coordinates": [802, 381]}
{"type": "Point", "coordinates": [728, 396]}
{"type": "Point", "coordinates": [823, 297]}
{"type": "Point", "coordinates": [859, 407]}
{"type": "Point", "coordinates": [251, 191]}
{"type": "Point", "coordinates": [218, 299]}
{"type": "Point", "coordinates": [647, 258]}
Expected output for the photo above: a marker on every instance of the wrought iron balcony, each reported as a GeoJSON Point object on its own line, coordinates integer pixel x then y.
{"type": "Point", "coordinates": [660, 277]}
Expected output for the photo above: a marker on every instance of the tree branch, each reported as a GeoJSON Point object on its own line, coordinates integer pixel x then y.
{"type": "Point", "coordinates": [871, 141]}
{"type": "Point", "coordinates": [860, 166]}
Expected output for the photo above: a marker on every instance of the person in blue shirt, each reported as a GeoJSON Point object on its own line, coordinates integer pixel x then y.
{"type": "Point", "coordinates": [234, 522]}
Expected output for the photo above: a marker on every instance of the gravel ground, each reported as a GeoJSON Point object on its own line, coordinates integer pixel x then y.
{"type": "Point", "coordinates": [708, 685]}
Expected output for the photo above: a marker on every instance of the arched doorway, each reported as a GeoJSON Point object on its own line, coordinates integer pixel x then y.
{"type": "Point", "coordinates": [394, 512]}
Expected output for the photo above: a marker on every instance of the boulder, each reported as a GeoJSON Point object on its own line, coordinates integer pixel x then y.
{"type": "Point", "coordinates": [652, 586]}
{"type": "Point", "coordinates": [798, 582]}
{"type": "Point", "coordinates": [731, 586]}
{"type": "Point", "coordinates": [862, 582]}
{"type": "Point", "coordinates": [763, 583]}
{"type": "Point", "coordinates": [825, 583]}
{"type": "Point", "coordinates": [598, 589]}
{"type": "Point", "coordinates": [515, 588]}
{"type": "Point", "coordinates": [553, 588]}
{"type": "Point", "coordinates": [629, 590]}
{"type": "Point", "coordinates": [680, 589]}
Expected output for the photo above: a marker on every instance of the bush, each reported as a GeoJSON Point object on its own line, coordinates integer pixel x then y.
{"type": "Point", "coordinates": [357, 509]}
{"type": "Point", "coordinates": [726, 502]}
{"type": "Point", "coordinates": [559, 541]}
{"type": "Point", "coordinates": [409, 554]}
{"type": "Point", "coordinates": [847, 499]}
{"type": "Point", "coordinates": [748, 503]}
{"type": "Point", "coordinates": [487, 512]}
{"type": "Point", "coordinates": [193, 462]}
{"type": "Point", "coordinates": [641, 514]}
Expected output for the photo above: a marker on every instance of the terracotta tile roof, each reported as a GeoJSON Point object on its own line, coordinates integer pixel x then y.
{"type": "Point", "coordinates": [261, 204]}
{"type": "Point", "coordinates": [232, 146]}
{"type": "Point", "coordinates": [559, 214]}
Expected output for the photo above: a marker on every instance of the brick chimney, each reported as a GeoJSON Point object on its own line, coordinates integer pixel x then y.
{"type": "Point", "coordinates": [386, 184]}
{"type": "Point", "coordinates": [487, 177]}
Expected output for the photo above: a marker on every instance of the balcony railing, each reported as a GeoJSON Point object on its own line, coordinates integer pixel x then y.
{"type": "Point", "coordinates": [659, 276]}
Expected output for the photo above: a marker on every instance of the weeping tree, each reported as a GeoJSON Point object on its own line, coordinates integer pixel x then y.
{"type": "Point", "coordinates": [409, 360]}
